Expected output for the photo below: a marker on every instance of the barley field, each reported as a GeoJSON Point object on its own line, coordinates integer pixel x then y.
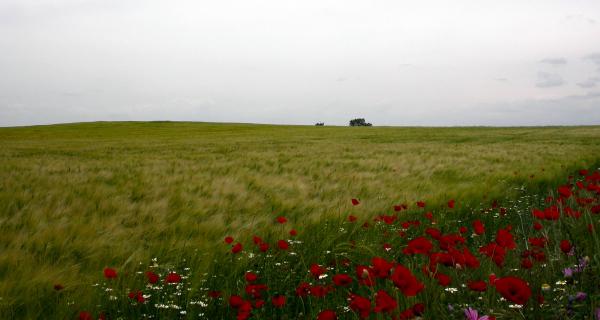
{"type": "Point", "coordinates": [76, 198]}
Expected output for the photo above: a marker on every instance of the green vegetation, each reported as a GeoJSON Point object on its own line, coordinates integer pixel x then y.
{"type": "Point", "coordinates": [76, 198]}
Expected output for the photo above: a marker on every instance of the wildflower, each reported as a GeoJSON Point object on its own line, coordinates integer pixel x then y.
{"type": "Point", "coordinates": [478, 227]}
{"type": "Point", "coordinates": [58, 287]}
{"type": "Point", "coordinates": [355, 202]}
{"type": "Point", "coordinates": [451, 204]}
{"type": "Point", "coordinates": [228, 240]}
{"type": "Point", "coordinates": [251, 276]}
{"type": "Point", "coordinates": [565, 246]}
{"type": "Point", "coordinates": [316, 270]}
{"type": "Point", "coordinates": [173, 278]}
{"type": "Point", "coordinates": [237, 248]}
{"type": "Point", "coordinates": [110, 273]}
{"type": "Point", "coordinates": [341, 280]}
{"type": "Point", "coordinates": [513, 289]}
{"type": "Point", "coordinates": [381, 268]}
{"type": "Point", "coordinates": [283, 245]}
{"type": "Point", "coordinates": [384, 302]}
{"type": "Point", "coordinates": [152, 277]}
{"type": "Point", "coordinates": [281, 219]}
{"type": "Point", "coordinates": [472, 314]}
{"type": "Point", "coordinates": [293, 232]}
{"type": "Point", "coordinates": [421, 204]}
{"type": "Point", "coordinates": [419, 245]}
{"type": "Point", "coordinates": [84, 315]}
{"type": "Point", "coordinates": [478, 285]}
{"type": "Point", "coordinates": [405, 281]}
{"type": "Point", "coordinates": [327, 315]}
{"type": "Point", "coordinates": [361, 305]}
{"type": "Point", "coordinates": [443, 280]}
{"type": "Point", "coordinates": [278, 301]}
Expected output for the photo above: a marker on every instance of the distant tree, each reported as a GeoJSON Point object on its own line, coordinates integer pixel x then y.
{"type": "Point", "coordinates": [359, 122]}
{"type": "Point", "coordinates": [320, 124]}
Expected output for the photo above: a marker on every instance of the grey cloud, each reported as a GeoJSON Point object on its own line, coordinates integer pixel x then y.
{"type": "Point", "coordinates": [548, 80]}
{"type": "Point", "coordinates": [589, 83]}
{"type": "Point", "coordinates": [555, 61]}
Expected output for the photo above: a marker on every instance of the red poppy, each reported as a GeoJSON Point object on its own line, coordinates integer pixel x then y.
{"type": "Point", "coordinates": [478, 227]}
{"type": "Point", "coordinates": [263, 246]}
{"type": "Point", "coordinates": [281, 219]}
{"type": "Point", "coordinates": [352, 218]}
{"type": "Point", "coordinates": [327, 315]}
{"type": "Point", "coordinates": [565, 191]}
{"type": "Point", "coordinates": [283, 245]}
{"type": "Point", "coordinates": [478, 285]}
{"type": "Point", "coordinates": [228, 240]}
{"type": "Point", "coordinates": [384, 302]}
{"type": "Point", "coordinates": [526, 263]}
{"type": "Point", "coordinates": [565, 246]}
{"type": "Point", "coordinates": [355, 202]}
{"type": "Point", "coordinates": [420, 204]}
{"type": "Point", "coordinates": [251, 276]}
{"type": "Point", "coordinates": [152, 277]}
{"type": "Point", "coordinates": [316, 270]}
{"type": "Point", "coordinates": [319, 291]}
{"type": "Point", "coordinates": [278, 301]}
{"type": "Point", "coordinates": [342, 280]}
{"type": "Point", "coordinates": [255, 290]}
{"type": "Point", "coordinates": [365, 275]}
{"type": "Point", "coordinates": [513, 289]}
{"type": "Point", "coordinates": [443, 280]}
{"type": "Point", "coordinates": [293, 232]}
{"type": "Point", "coordinates": [360, 305]}
{"type": "Point", "coordinates": [405, 281]}
{"type": "Point", "coordinates": [84, 315]}
{"type": "Point", "coordinates": [538, 226]}
{"type": "Point", "coordinates": [58, 287]}
{"type": "Point", "coordinates": [173, 278]}
{"type": "Point", "coordinates": [463, 229]}
{"type": "Point", "coordinates": [505, 239]}
{"type": "Point", "coordinates": [419, 245]}
{"type": "Point", "coordinates": [381, 267]}
{"type": "Point", "coordinates": [303, 289]}
{"type": "Point", "coordinates": [237, 248]}
{"type": "Point", "coordinates": [214, 294]}
{"type": "Point", "coordinates": [235, 301]}
{"type": "Point", "coordinates": [451, 204]}
{"type": "Point", "coordinates": [257, 240]}
{"type": "Point", "coordinates": [538, 242]}
{"type": "Point", "coordinates": [110, 273]}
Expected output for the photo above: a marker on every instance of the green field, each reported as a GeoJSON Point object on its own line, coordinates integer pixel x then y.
{"type": "Point", "coordinates": [75, 198]}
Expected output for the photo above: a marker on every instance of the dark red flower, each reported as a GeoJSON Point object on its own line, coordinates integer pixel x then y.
{"type": "Point", "coordinates": [327, 315]}
{"type": "Point", "coordinates": [283, 245]}
{"type": "Point", "coordinates": [355, 202]}
{"type": "Point", "coordinates": [565, 246]}
{"type": "Point", "coordinates": [237, 248]}
{"type": "Point", "coordinates": [352, 218]}
{"type": "Point", "coordinates": [384, 302]}
{"type": "Point", "coordinates": [505, 239]}
{"type": "Point", "coordinates": [110, 273]}
{"type": "Point", "coordinates": [316, 270]}
{"type": "Point", "coordinates": [419, 245]}
{"type": "Point", "coordinates": [443, 280]}
{"type": "Point", "coordinates": [463, 229]}
{"type": "Point", "coordinates": [478, 227]}
{"type": "Point", "coordinates": [281, 219]}
{"type": "Point", "coordinates": [58, 287]}
{"type": "Point", "coordinates": [360, 305]}
{"type": "Point", "coordinates": [257, 240]}
{"type": "Point", "coordinates": [405, 281]}
{"type": "Point", "coordinates": [526, 263]}
{"type": "Point", "coordinates": [451, 204]}
{"type": "Point", "coordinates": [565, 191]}
{"type": "Point", "coordinates": [152, 277]}
{"type": "Point", "coordinates": [303, 289]}
{"type": "Point", "coordinates": [293, 232]}
{"type": "Point", "coordinates": [342, 280]}
{"type": "Point", "coordinates": [538, 242]}
{"type": "Point", "coordinates": [381, 267]}
{"type": "Point", "coordinates": [538, 226]}
{"type": "Point", "coordinates": [421, 204]}
{"type": "Point", "coordinates": [263, 246]}
{"type": "Point", "coordinates": [228, 240]}
{"type": "Point", "coordinates": [214, 294]}
{"type": "Point", "coordinates": [235, 301]}
{"type": "Point", "coordinates": [513, 289]}
{"type": "Point", "coordinates": [173, 278]}
{"type": "Point", "coordinates": [278, 301]}
{"type": "Point", "coordinates": [255, 290]}
{"type": "Point", "coordinates": [478, 285]}
{"type": "Point", "coordinates": [84, 315]}
{"type": "Point", "coordinates": [251, 276]}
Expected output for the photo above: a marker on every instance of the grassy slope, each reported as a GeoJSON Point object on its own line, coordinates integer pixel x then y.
{"type": "Point", "coordinates": [77, 197]}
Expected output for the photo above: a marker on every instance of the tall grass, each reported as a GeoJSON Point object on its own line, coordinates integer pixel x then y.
{"type": "Point", "coordinates": [76, 198]}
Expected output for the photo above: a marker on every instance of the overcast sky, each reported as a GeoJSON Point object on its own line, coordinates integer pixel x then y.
{"type": "Point", "coordinates": [426, 62]}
